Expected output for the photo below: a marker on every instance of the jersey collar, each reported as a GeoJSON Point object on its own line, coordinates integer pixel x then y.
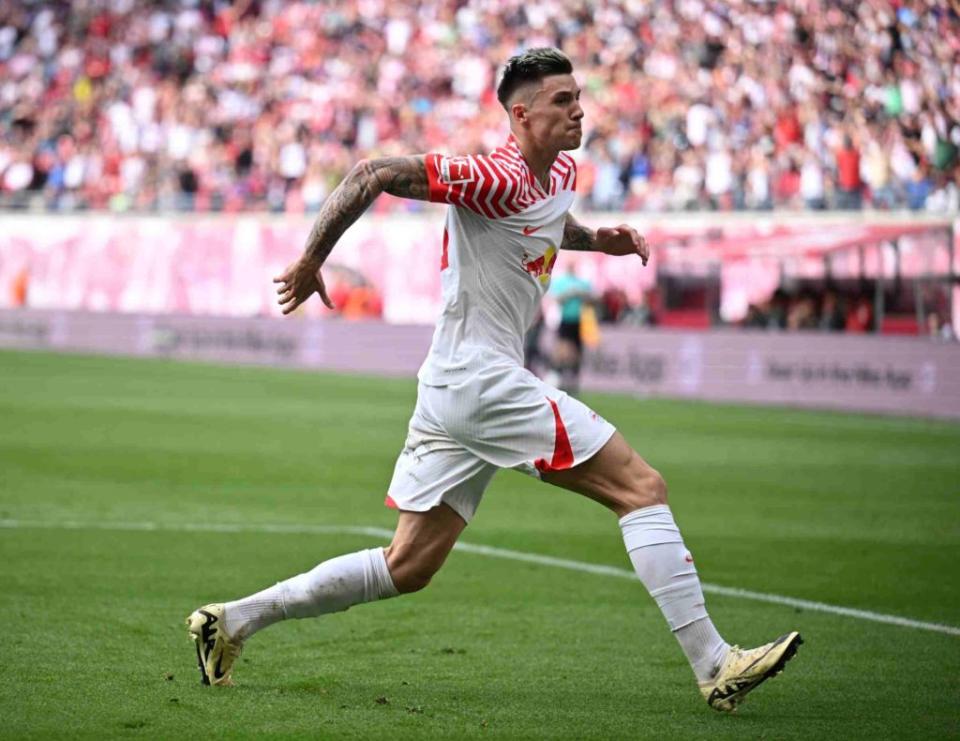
{"type": "Point", "coordinates": [514, 147]}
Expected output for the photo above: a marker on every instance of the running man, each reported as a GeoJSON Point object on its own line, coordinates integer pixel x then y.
{"type": "Point", "coordinates": [478, 409]}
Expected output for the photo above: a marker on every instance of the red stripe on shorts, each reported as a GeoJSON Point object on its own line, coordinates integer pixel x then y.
{"type": "Point", "coordinates": [388, 502]}
{"type": "Point", "coordinates": [562, 452]}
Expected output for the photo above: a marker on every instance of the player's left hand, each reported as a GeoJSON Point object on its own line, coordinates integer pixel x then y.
{"type": "Point", "coordinates": [622, 240]}
{"type": "Point", "coordinates": [298, 283]}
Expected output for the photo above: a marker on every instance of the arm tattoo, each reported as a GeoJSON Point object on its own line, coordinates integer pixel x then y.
{"type": "Point", "coordinates": [405, 177]}
{"type": "Point", "coordinates": [577, 237]}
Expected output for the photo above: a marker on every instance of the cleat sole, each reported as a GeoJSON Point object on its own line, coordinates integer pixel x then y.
{"type": "Point", "coordinates": [212, 646]}
{"type": "Point", "coordinates": [204, 679]}
{"type": "Point", "coordinates": [194, 631]}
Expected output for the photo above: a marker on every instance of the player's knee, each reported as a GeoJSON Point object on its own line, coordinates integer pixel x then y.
{"type": "Point", "coordinates": [648, 488]}
{"type": "Point", "coordinates": [656, 487]}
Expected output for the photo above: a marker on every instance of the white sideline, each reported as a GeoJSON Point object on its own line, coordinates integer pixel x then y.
{"type": "Point", "coordinates": [482, 550]}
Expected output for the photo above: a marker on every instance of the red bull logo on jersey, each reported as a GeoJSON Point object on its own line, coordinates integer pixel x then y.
{"type": "Point", "coordinates": [542, 267]}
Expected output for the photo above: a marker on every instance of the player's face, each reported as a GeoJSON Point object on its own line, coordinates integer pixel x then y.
{"type": "Point", "coordinates": [554, 114]}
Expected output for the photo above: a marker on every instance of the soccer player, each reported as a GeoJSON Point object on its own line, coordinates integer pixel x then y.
{"type": "Point", "coordinates": [478, 409]}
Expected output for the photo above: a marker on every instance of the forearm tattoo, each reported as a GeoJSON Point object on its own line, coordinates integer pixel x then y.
{"type": "Point", "coordinates": [405, 177]}
{"type": "Point", "coordinates": [577, 237]}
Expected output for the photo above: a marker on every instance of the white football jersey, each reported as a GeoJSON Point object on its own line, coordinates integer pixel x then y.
{"type": "Point", "coordinates": [500, 243]}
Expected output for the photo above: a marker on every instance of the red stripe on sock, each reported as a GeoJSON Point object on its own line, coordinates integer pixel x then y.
{"type": "Point", "coordinates": [562, 452]}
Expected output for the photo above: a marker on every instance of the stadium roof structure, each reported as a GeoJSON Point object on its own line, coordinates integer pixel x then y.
{"type": "Point", "coordinates": [814, 239]}
{"type": "Point", "coordinates": [752, 259]}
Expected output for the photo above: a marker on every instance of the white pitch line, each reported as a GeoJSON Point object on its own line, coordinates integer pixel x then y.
{"type": "Point", "coordinates": [482, 550]}
{"type": "Point", "coordinates": [776, 599]}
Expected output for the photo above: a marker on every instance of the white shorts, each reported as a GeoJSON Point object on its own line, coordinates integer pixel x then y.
{"type": "Point", "coordinates": [502, 417]}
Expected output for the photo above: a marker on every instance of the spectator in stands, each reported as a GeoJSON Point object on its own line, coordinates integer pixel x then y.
{"type": "Point", "coordinates": [613, 305]}
{"type": "Point", "coordinates": [755, 318]}
{"type": "Point", "coordinates": [777, 310]}
{"type": "Point", "coordinates": [849, 185]}
{"type": "Point", "coordinates": [919, 188]}
{"type": "Point", "coordinates": [860, 317]}
{"type": "Point", "coordinates": [127, 104]}
{"type": "Point", "coordinates": [832, 317]}
{"type": "Point", "coordinates": [802, 312]}
{"type": "Point", "coordinates": [939, 328]}
{"type": "Point", "coordinates": [352, 294]}
{"type": "Point", "coordinates": [812, 187]}
{"type": "Point", "coordinates": [877, 175]}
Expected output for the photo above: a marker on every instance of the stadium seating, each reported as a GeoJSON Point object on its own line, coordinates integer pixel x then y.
{"type": "Point", "coordinates": [699, 104]}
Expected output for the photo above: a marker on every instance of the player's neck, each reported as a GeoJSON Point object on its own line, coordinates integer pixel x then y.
{"type": "Point", "coordinates": [539, 159]}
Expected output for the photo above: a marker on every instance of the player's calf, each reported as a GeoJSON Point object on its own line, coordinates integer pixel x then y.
{"type": "Point", "coordinates": [409, 578]}
{"type": "Point", "coordinates": [219, 630]}
{"type": "Point", "coordinates": [420, 545]}
{"type": "Point", "coordinates": [412, 564]}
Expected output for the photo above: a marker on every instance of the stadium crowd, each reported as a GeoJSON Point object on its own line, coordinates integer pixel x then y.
{"type": "Point", "coordinates": [813, 307]}
{"type": "Point", "coordinates": [691, 104]}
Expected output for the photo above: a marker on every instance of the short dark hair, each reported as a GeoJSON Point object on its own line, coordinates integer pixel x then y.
{"type": "Point", "coordinates": [531, 66]}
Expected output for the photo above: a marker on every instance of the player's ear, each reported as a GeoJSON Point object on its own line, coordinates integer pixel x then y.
{"type": "Point", "coordinates": [518, 111]}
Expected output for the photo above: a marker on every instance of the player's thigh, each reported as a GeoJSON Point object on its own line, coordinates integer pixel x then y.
{"type": "Point", "coordinates": [421, 543]}
{"type": "Point", "coordinates": [509, 418]}
{"type": "Point", "coordinates": [616, 477]}
{"type": "Point", "coordinates": [435, 468]}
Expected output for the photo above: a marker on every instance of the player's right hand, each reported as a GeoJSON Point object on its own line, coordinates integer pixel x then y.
{"type": "Point", "coordinates": [298, 283]}
{"type": "Point", "coordinates": [623, 240]}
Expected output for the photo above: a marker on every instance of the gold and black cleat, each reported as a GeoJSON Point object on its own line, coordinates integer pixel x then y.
{"type": "Point", "coordinates": [745, 669]}
{"type": "Point", "coordinates": [216, 651]}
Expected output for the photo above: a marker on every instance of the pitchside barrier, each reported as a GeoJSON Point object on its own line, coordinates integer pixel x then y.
{"type": "Point", "coordinates": [223, 265]}
{"type": "Point", "coordinates": [894, 375]}
{"type": "Point", "coordinates": [200, 287]}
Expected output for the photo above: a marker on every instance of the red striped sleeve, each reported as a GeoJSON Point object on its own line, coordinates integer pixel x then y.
{"type": "Point", "coordinates": [492, 200]}
{"type": "Point", "coordinates": [438, 190]}
{"type": "Point", "coordinates": [491, 186]}
{"type": "Point", "coordinates": [479, 190]}
{"type": "Point", "coordinates": [503, 197]}
{"type": "Point", "coordinates": [450, 179]}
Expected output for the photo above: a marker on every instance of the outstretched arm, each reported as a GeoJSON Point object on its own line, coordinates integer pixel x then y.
{"type": "Point", "coordinates": [400, 176]}
{"type": "Point", "coordinates": [619, 240]}
{"type": "Point", "coordinates": [578, 237]}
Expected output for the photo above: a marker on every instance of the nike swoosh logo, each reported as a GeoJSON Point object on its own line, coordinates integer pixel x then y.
{"type": "Point", "coordinates": [528, 230]}
{"type": "Point", "coordinates": [218, 673]}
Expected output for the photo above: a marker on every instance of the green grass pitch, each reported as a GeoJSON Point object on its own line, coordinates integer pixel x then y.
{"type": "Point", "coordinates": [849, 510]}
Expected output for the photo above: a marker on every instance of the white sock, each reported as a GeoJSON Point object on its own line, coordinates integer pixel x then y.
{"type": "Point", "coordinates": [332, 586]}
{"type": "Point", "coordinates": [666, 569]}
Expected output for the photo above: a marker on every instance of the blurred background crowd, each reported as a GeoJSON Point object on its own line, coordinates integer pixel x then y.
{"type": "Point", "coordinates": [806, 306]}
{"type": "Point", "coordinates": [209, 105]}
